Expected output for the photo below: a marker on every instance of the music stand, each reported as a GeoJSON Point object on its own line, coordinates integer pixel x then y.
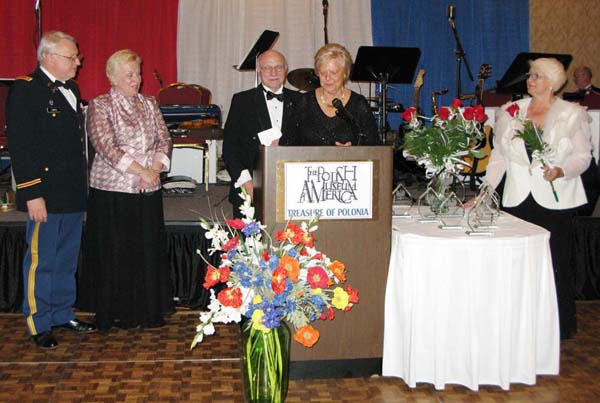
{"type": "Point", "coordinates": [514, 80]}
{"type": "Point", "coordinates": [385, 65]}
{"type": "Point", "coordinates": [264, 42]}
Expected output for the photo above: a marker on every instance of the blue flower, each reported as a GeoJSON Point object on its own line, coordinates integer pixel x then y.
{"type": "Point", "coordinates": [231, 254]}
{"type": "Point", "coordinates": [290, 306]}
{"type": "Point", "coordinates": [293, 253]}
{"type": "Point", "coordinates": [251, 228]}
{"type": "Point", "coordinates": [244, 272]}
{"type": "Point", "coordinates": [318, 301]}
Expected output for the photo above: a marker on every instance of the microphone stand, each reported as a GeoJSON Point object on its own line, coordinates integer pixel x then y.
{"type": "Point", "coordinates": [460, 55]}
{"type": "Point", "coordinates": [325, 10]}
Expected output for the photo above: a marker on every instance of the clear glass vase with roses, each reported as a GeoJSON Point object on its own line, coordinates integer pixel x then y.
{"type": "Point", "coordinates": [267, 281]}
{"type": "Point", "coordinates": [440, 144]}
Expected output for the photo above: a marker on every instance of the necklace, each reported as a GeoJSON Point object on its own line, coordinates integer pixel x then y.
{"type": "Point", "coordinates": [329, 104]}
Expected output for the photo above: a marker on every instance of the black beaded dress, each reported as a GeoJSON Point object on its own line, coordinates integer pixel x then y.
{"type": "Point", "coordinates": [318, 129]}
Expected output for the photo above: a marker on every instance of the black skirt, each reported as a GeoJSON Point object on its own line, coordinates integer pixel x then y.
{"type": "Point", "coordinates": [128, 282]}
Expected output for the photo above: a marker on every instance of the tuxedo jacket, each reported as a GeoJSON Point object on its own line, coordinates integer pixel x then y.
{"type": "Point", "coordinates": [567, 131]}
{"type": "Point", "coordinates": [47, 144]}
{"type": "Point", "coordinates": [248, 116]}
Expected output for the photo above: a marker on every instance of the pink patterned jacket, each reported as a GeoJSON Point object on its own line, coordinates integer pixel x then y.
{"type": "Point", "coordinates": [124, 130]}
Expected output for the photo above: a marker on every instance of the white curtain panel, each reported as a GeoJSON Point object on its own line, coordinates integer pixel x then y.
{"type": "Point", "coordinates": [214, 35]}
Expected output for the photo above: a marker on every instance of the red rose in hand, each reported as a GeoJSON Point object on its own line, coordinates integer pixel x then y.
{"type": "Point", "coordinates": [444, 113]}
{"type": "Point", "coordinates": [480, 115]}
{"type": "Point", "coordinates": [512, 110]}
{"type": "Point", "coordinates": [468, 113]}
{"type": "Point", "coordinates": [408, 113]}
{"type": "Point", "coordinates": [456, 103]}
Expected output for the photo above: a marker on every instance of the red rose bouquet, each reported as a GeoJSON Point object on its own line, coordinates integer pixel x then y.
{"type": "Point", "coordinates": [450, 136]}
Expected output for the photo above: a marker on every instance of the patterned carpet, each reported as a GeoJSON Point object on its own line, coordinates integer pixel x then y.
{"type": "Point", "coordinates": [157, 365]}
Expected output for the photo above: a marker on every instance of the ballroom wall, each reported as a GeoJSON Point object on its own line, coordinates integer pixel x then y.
{"type": "Point", "coordinates": [567, 26]}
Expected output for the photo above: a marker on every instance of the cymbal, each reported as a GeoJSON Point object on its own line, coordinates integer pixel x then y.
{"type": "Point", "coordinates": [303, 79]}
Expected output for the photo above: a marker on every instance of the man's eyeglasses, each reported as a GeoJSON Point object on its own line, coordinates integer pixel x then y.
{"type": "Point", "coordinates": [73, 59]}
{"type": "Point", "coordinates": [269, 69]}
{"type": "Point", "coordinates": [534, 76]}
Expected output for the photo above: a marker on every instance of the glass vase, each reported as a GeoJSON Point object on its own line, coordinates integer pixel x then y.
{"type": "Point", "coordinates": [443, 197]}
{"type": "Point", "coordinates": [265, 364]}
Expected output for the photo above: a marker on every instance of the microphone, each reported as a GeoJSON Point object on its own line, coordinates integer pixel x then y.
{"type": "Point", "coordinates": [344, 114]}
{"type": "Point", "coordinates": [451, 12]}
{"type": "Point", "coordinates": [342, 111]}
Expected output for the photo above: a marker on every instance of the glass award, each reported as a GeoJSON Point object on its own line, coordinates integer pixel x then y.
{"type": "Point", "coordinates": [402, 202]}
{"type": "Point", "coordinates": [482, 219]}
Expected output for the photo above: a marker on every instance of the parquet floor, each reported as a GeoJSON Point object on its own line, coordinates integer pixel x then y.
{"type": "Point", "coordinates": [157, 365]}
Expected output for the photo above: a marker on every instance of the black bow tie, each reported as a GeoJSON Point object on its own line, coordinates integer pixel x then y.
{"type": "Point", "coordinates": [271, 95]}
{"type": "Point", "coordinates": [65, 85]}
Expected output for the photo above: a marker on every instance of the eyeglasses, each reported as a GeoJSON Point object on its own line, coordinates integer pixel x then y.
{"type": "Point", "coordinates": [269, 69]}
{"type": "Point", "coordinates": [534, 76]}
{"type": "Point", "coordinates": [73, 59]}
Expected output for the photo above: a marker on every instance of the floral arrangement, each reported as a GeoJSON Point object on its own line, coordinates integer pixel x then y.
{"type": "Point", "coordinates": [269, 280]}
{"type": "Point", "coordinates": [450, 136]}
{"type": "Point", "coordinates": [532, 137]}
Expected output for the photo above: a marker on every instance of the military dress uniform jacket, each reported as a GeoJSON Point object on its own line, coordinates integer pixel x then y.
{"type": "Point", "coordinates": [47, 144]}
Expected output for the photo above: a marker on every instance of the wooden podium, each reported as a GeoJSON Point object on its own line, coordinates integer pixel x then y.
{"type": "Point", "coordinates": [352, 344]}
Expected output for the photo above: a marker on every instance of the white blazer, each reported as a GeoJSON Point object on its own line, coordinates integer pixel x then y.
{"type": "Point", "coordinates": [567, 130]}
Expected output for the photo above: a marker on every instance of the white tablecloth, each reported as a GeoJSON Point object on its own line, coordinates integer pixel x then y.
{"type": "Point", "coordinates": [470, 310]}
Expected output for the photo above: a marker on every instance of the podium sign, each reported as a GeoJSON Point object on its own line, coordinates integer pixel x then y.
{"type": "Point", "coordinates": [352, 344]}
{"type": "Point", "coordinates": [330, 190]}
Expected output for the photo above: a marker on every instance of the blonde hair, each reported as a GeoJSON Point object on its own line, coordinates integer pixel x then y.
{"type": "Point", "coordinates": [119, 58]}
{"type": "Point", "coordinates": [552, 69]}
{"type": "Point", "coordinates": [49, 42]}
{"type": "Point", "coordinates": [334, 51]}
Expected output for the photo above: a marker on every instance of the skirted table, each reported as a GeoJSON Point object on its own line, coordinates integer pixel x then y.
{"type": "Point", "coordinates": [470, 310]}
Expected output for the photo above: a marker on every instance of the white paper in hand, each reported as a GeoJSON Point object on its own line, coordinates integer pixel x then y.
{"type": "Point", "coordinates": [266, 137]}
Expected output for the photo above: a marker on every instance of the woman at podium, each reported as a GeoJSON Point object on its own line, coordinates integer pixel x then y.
{"type": "Point", "coordinates": [333, 115]}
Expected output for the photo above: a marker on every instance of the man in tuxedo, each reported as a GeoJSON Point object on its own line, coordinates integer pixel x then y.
{"type": "Point", "coordinates": [582, 77]}
{"type": "Point", "coordinates": [47, 147]}
{"type": "Point", "coordinates": [257, 116]}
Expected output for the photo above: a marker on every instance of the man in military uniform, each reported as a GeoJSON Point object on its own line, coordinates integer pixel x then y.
{"type": "Point", "coordinates": [47, 147]}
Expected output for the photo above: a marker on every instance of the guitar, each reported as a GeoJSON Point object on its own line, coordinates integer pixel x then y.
{"type": "Point", "coordinates": [485, 71]}
{"type": "Point", "coordinates": [478, 166]}
{"type": "Point", "coordinates": [418, 84]}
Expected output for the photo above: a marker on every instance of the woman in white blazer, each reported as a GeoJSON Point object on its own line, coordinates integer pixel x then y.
{"type": "Point", "coordinates": [527, 191]}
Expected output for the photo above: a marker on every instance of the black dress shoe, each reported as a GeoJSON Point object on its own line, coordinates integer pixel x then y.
{"type": "Point", "coordinates": [78, 326]}
{"type": "Point", "coordinates": [45, 340]}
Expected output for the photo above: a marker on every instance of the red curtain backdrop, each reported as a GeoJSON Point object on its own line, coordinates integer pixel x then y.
{"type": "Point", "coordinates": [149, 27]}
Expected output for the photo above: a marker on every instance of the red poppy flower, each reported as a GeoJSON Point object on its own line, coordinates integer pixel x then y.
{"type": "Point", "coordinates": [224, 272]}
{"type": "Point", "coordinates": [230, 297]}
{"type": "Point", "coordinates": [236, 223]}
{"type": "Point", "coordinates": [278, 280]}
{"type": "Point", "coordinates": [456, 103]}
{"type": "Point", "coordinates": [212, 277]}
{"type": "Point", "coordinates": [231, 244]}
{"type": "Point", "coordinates": [317, 277]}
{"type": "Point", "coordinates": [352, 294]}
